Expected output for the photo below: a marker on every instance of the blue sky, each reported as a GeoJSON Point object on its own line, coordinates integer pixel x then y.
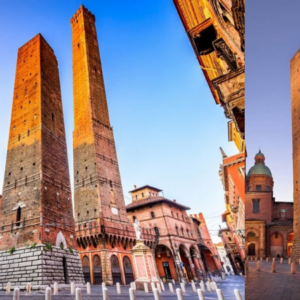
{"type": "Point", "coordinates": [167, 126]}
{"type": "Point", "coordinates": [272, 39]}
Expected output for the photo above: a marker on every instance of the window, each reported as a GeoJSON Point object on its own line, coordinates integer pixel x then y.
{"type": "Point", "coordinates": [110, 183]}
{"type": "Point", "coordinates": [134, 218]}
{"type": "Point", "coordinates": [258, 188]}
{"type": "Point", "coordinates": [177, 216]}
{"type": "Point", "coordinates": [156, 231]}
{"type": "Point", "coordinates": [249, 189]}
{"type": "Point", "coordinates": [255, 205]}
{"type": "Point", "coordinates": [172, 214]}
{"type": "Point", "coordinates": [187, 232]}
{"type": "Point", "coordinates": [229, 238]}
{"type": "Point", "coordinates": [142, 194]}
{"type": "Point", "coordinates": [136, 196]}
{"type": "Point", "coordinates": [152, 215]}
{"type": "Point", "coordinates": [268, 188]}
{"type": "Point", "coordinates": [182, 217]}
{"type": "Point", "coordinates": [251, 234]}
{"type": "Point", "coordinates": [177, 230]}
{"type": "Point", "coordinates": [52, 116]}
{"type": "Point", "coordinates": [18, 221]}
{"type": "Point", "coordinates": [182, 232]}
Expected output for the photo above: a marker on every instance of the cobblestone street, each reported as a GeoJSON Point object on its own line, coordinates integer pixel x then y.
{"type": "Point", "coordinates": [227, 286]}
{"type": "Point", "coordinates": [264, 285]}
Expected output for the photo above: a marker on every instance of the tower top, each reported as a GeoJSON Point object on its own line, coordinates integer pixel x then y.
{"type": "Point", "coordinates": [259, 166]}
{"type": "Point", "coordinates": [82, 10]}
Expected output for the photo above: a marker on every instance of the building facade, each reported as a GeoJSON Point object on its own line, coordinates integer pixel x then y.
{"type": "Point", "coordinates": [224, 259]}
{"type": "Point", "coordinates": [36, 212]}
{"type": "Point", "coordinates": [232, 174]}
{"type": "Point", "coordinates": [216, 32]}
{"type": "Point", "coordinates": [104, 234]}
{"type": "Point", "coordinates": [178, 252]}
{"type": "Point", "coordinates": [269, 223]}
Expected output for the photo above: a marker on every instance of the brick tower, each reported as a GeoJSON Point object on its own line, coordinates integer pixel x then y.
{"type": "Point", "coordinates": [295, 97]}
{"type": "Point", "coordinates": [36, 208]}
{"type": "Point", "coordinates": [104, 234]}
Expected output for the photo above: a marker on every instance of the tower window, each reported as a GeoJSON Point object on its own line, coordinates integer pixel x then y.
{"type": "Point", "coordinates": [156, 231]}
{"type": "Point", "coordinates": [18, 221]}
{"type": "Point", "coordinates": [110, 183]}
{"type": "Point", "coordinates": [134, 218]}
{"type": "Point", "coordinates": [268, 188]}
{"type": "Point", "coordinates": [152, 215]}
{"type": "Point", "coordinates": [258, 188]}
{"type": "Point", "coordinates": [255, 203]}
{"type": "Point", "coordinates": [52, 116]}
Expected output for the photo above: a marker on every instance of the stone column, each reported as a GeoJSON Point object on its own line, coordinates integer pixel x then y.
{"type": "Point", "coordinates": [191, 266]}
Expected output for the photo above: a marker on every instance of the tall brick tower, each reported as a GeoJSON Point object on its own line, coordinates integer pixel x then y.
{"type": "Point", "coordinates": [100, 214]}
{"type": "Point", "coordinates": [295, 96]}
{"type": "Point", "coordinates": [36, 208]}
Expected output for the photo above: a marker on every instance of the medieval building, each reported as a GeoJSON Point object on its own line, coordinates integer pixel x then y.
{"type": "Point", "coordinates": [269, 223]}
{"type": "Point", "coordinates": [216, 32]}
{"type": "Point", "coordinates": [180, 252]}
{"type": "Point", "coordinates": [36, 216]}
{"type": "Point", "coordinates": [104, 234]}
{"type": "Point", "coordinates": [232, 173]}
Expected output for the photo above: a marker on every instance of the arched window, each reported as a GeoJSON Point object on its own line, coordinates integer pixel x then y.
{"type": "Point", "coordinates": [156, 231]}
{"type": "Point", "coordinates": [187, 232]}
{"type": "Point", "coordinates": [134, 218]}
{"type": "Point", "coordinates": [152, 215]}
{"type": "Point", "coordinates": [250, 234]}
{"type": "Point", "coordinates": [177, 230]}
{"type": "Point", "coordinates": [172, 214]}
{"type": "Point", "coordinates": [52, 116]}
{"type": "Point", "coordinates": [182, 231]}
{"type": "Point", "coordinates": [18, 221]}
{"type": "Point", "coordinates": [182, 217]}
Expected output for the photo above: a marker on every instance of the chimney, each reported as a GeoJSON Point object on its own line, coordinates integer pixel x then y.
{"type": "Point", "coordinates": [174, 200]}
{"type": "Point", "coordinates": [134, 187]}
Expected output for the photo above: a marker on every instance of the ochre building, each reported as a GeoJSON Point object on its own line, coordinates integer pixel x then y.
{"type": "Point", "coordinates": [181, 253]}
{"type": "Point", "coordinates": [232, 173]}
{"type": "Point", "coordinates": [216, 30]}
{"type": "Point", "coordinates": [269, 223]}
{"type": "Point", "coordinates": [104, 234]}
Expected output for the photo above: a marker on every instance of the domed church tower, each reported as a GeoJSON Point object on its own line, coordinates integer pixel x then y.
{"type": "Point", "coordinates": [259, 190]}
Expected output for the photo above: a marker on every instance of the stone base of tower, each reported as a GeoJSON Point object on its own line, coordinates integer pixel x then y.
{"type": "Point", "coordinates": [296, 250]}
{"type": "Point", "coordinates": [145, 268]}
{"type": "Point", "coordinates": [40, 267]}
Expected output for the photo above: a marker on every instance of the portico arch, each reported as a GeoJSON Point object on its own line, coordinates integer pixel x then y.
{"type": "Point", "coordinates": [165, 262]}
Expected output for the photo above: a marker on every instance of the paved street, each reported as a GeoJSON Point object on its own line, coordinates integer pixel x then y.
{"type": "Point", "coordinates": [227, 286]}
{"type": "Point", "coordinates": [264, 285]}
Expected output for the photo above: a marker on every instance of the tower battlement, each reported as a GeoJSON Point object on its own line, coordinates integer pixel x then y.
{"type": "Point", "coordinates": [82, 10]}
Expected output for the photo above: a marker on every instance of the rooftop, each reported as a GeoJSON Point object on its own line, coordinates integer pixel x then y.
{"type": "Point", "coordinates": [154, 200]}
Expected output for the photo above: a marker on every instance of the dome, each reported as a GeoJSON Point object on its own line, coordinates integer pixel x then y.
{"type": "Point", "coordinates": [259, 154]}
{"type": "Point", "coordinates": [260, 169]}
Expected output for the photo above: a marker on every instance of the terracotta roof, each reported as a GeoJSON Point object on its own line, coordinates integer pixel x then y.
{"type": "Point", "coordinates": [153, 200]}
{"type": "Point", "coordinates": [145, 186]}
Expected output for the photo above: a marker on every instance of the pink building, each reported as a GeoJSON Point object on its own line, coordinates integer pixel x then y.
{"type": "Point", "coordinates": [178, 252]}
